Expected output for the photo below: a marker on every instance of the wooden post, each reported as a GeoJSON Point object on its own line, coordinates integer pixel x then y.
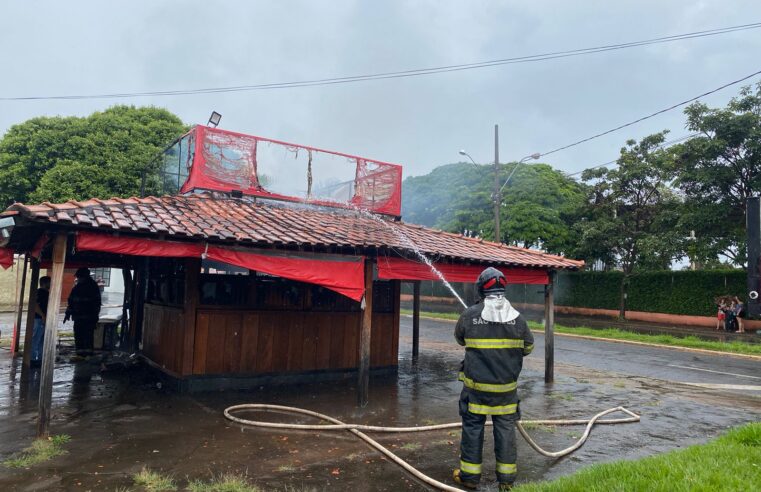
{"type": "Point", "coordinates": [51, 335]}
{"type": "Point", "coordinates": [415, 319]}
{"type": "Point", "coordinates": [549, 329]}
{"type": "Point", "coordinates": [30, 309]}
{"type": "Point", "coordinates": [126, 302]}
{"type": "Point", "coordinates": [134, 304]}
{"type": "Point", "coordinates": [139, 295]}
{"type": "Point", "coordinates": [19, 309]}
{"type": "Point", "coordinates": [190, 304]}
{"type": "Point", "coordinates": [363, 385]}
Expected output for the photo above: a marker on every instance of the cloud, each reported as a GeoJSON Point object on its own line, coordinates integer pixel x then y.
{"type": "Point", "coordinates": [94, 47]}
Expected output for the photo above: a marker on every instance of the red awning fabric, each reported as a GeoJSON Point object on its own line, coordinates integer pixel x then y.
{"type": "Point", "coordinates": [6, 258]}
{"type": "Point", "coordinates": [401, 269]}
{"type": "Point", "coordinates": [90, 241]}
{"type": "Point", "coordinates": [342, 274]}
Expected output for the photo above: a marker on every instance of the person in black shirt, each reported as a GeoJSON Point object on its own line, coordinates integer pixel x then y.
{"type": "Point", "coordinates": [40, 312]}
{"type": "Point", "coordinates": [84, 307]}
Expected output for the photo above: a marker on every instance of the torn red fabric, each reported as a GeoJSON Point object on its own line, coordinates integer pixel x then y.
{"type": "Point", "coordinates": [222, 160]}
{"type": "Point", "coordinates": [90, 241]}
{"type": "Point", "coordinates": [342, 274]}
{"type": "Point", "coordinates": [36, 251]}
{"type": "Point", "coordinates": [6, 258]}
{"type": "Point", "coordinates": [402, 269]}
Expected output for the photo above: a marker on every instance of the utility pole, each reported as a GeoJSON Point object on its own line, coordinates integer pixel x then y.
{"type": "Point", "coordinates": [497, 200]}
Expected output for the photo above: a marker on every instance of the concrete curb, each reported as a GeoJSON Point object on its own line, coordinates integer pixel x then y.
{"type": "Point", "coordinates": [631, 342]}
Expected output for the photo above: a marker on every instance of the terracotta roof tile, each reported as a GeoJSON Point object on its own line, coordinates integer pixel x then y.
{"type": "Point", "coordinates": [260, 222]}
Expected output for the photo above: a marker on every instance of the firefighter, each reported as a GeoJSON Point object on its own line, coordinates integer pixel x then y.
{"type": "Point", "coordinates": [496, 338]}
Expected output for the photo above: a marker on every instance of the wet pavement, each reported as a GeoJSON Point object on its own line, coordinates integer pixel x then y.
{"type": "Point", "coordinates": [120, 420]}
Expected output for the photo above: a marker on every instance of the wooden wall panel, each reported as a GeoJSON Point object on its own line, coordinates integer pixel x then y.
{"type": "Point", "coordinates": [322, 342]}
{"type": "Point", "coordinates": [295, 336]}
{"type": "Point", "coordinates": [281, 327]}
{"type": "Point", "coordinates": [350, 354]}
{"type": "Point", "coordinates": [215, 343]}
{"type": "Point", "coordinates": [233, 324]}
{"type": "Point", "coordinates": [337, 335]}
{"type": "Point", "coordinates": [309, 344]}
{"type": "Point", "coordinates": [249, 343]}
{"type": "Point", "coordinates": [266, 343]}
{"type": "Point", "coordinates": [163, 336]}
{"type": "Point", "coordinates": [201, 340]}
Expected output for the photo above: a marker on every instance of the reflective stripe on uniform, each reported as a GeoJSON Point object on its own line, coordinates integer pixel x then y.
{"type": "Point", "coordinates": [528, 348]}
{"type": "Point", "coordinates": [472, 468]}
{"type": "Point", "coordinates": [488, 410]}
{"type": "Point", "coordinates": [486, 387]}
{"type": "Point", "coordinates": [493, 343]}
{"type": "Point", "coordinates": [506, 468]}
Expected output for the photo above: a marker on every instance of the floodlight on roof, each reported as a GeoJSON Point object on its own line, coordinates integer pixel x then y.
{"type": "Point", "coordinates": [214, 119]}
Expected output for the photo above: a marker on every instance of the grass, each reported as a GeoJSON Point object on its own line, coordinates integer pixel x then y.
{"type": "Point", "coordinates": [224, 483]}
{"type": "Point", "coordinates": [427, 314]}
{"type": "Point", "coordinates": [153, 481]}
{"type": "Point", "coordinates": [40, 450]}
{"type": "Point", "coordinates": [731, 462]}
{"type": "Point", "coordinates": [531, 426]}
{"type": "Point", "coordinates": [688, 341]}
{"type": "Point", "coordinates": [616, 334]}
{"type": "Point", "coordinates": [411, 446]}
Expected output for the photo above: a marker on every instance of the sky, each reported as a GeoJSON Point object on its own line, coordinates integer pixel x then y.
{"type": "Point", "coordinates": [59, 48]}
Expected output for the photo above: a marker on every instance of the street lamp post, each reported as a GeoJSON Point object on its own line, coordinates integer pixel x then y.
{"type": "Point", "coordinates": [497, 189]}
{"type": "Point", "coordinates": [497, 196]}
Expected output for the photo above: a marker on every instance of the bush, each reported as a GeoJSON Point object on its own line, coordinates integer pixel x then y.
{"type": "Point", "coordinates": [683, 292]}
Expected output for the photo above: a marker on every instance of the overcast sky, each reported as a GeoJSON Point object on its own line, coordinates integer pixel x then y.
{"type": "Point", "coordinates": [53, 48]}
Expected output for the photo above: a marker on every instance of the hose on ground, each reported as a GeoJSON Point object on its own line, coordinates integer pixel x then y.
{"type": "Point", "coordinates": [357, 429]}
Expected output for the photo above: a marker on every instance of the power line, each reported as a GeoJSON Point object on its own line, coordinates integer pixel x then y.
{"type": "Point", "coordinates": [404, 73]}
{"type": "Point", "coordinates": [638, 120]}
{"type": "Point", "coordinates": [615, 161]}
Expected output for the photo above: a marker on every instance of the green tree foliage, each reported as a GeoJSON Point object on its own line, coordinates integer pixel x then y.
{"type": "Point", "coordinates": [102, 155]}
{"type": "Point", "coordinates": [717, 171]}
{"type": "Point", "coordinates": [632, 215]}
{"type": "Point", "coordinates": [538, 205]}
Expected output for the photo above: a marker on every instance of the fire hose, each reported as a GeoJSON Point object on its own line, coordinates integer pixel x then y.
{"type": "Point", "coordinates": [357, 429]}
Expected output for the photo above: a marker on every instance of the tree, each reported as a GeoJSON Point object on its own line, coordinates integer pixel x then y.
{"type": "Point", "coordinates": [102, 155]}
{"type": "Point", "coordinates": [537, 209]}
{"type": "Point", "coordinates": [631, 216]}
{"type": "Point", "coordinates": [428, 200]}
{"type": "Point", "coordinates": [717, 171]}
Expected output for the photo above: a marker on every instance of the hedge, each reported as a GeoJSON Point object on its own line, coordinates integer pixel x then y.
{"type": "Point", "coordinates": [681, 292]}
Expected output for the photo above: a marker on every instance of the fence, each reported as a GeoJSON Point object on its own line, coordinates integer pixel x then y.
{"type": "Point", "coordinates": [684, 292]}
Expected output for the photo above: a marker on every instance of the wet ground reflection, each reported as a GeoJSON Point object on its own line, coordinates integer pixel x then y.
{"type": "Point", "coordinates": [121, 420]}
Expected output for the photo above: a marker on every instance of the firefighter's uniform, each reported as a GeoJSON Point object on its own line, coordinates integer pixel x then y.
{"type": "Point", "coordinates": [494, 354]}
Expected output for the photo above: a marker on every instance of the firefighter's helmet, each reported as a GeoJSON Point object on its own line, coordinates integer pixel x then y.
{"type": "Point", "coordinates": [491, 281]}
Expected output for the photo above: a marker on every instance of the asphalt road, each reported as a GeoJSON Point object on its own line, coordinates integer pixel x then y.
{"type": "Point", "coordinates": [719, 372]}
